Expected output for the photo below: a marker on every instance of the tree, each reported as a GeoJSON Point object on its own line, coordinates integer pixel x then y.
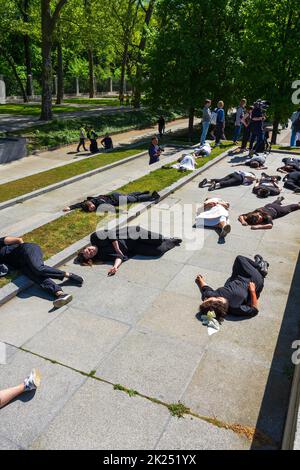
{"type": "Point", "coordinates": [192, 54]}
{"type": "Point", "coordinates": [271, 54]}
{"type": "Point", "coordinates": [49, 21]}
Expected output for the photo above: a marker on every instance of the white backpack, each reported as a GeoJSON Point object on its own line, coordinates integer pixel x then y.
{"type": "Point", "coordinates": [214, 116]}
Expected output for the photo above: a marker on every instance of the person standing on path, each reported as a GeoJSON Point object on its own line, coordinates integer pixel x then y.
{"type": "Point", "coordinates": [246, 121]}
{"type": "Point", "coordinates": [206, 120]}
{"type": "Point", "coordinates": [161, 126]}
{"type": "Point", "coordinates": [295, 116]}
{"type": "Point", "coordinates": [82, 137]}
{"type": "Point", "coordinates": [32, 382]}
{"type": "Point", "coordinates": [239, 120]}
{"type": "Point", "coordinates": [220, 125]}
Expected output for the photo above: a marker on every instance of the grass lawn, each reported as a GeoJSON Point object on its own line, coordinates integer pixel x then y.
{"type": "Point", "coordinates": [61, 233]}
{"type": "Point", "coordinates": [31, 183]}
{"type": "Point", "coordinates": [288, 149]}
{"type": "Point", "coordinates": [94, 101]}
{"type": "Point", "coordinates": [66, 131]}
{"type": "Point", "coordinates": [35, 109]}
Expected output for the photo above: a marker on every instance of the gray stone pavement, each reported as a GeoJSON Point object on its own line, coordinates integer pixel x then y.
{"type": "Point", "coordinates": [28, 215]}
{"type": "Point", "coordinates": [139, 329]}
{"type": "Point", "coordinates": [67, 155]}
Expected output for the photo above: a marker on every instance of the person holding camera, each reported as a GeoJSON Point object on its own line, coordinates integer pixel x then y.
{"type": "Point", "coordinates": [154, 151]}
{"type": "Point", "coordinates": [257, 119]}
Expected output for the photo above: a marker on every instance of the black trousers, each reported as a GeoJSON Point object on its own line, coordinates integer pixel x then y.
{"type": "Point", "coordinates": [234, 179]}
{"type": "Point", "coordinates": [248, 269]}
{"type": "Point", "coordinates": [33, 267]}
{"type": "Point", "coordinates": [146, 243]}
{"type": "Point", "coordinates": [94, 146]}
{"type": "Point", "coordinates": [219, 131]}
{"type": "Point", "coordinates": [132, 197]}
{"type": "Point", "coordinates": [292, 184]}
{"type": "Point", "coordinates": [81, 144]}
{"type": "Point", "coordinates": [246, 137]}
{"type": "Point", "coordinates": [281, 210]}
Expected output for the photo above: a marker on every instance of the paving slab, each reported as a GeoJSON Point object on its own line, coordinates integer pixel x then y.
{"type": "Point", "coordinates": [99, 418]}
{"type": "Point", "coordinates": [23, 420]}
{"type": "Point", "coordinates": [195, 434]}
{"type": "Point", "coordinates": [155, 365]}
{"type": "Point", "coordinates": [78, 339]}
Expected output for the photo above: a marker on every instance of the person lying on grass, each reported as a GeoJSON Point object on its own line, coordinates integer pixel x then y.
{"type": "Point", "coordinates": [241, 292]}
{"type": "Point", "coordinates": [92, 203]}
{"type": "Point", "coordinates": [32, 382]}
{"type": "Point", "coordinates": [262, 218]}
{"type": "Point", "coordinates": [120, 245]}
{"type": "Point", "coordinates": [28, 258]}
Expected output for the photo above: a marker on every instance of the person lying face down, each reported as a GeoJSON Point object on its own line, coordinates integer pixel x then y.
{"type": "Point", "coordinates": [237, 178]}
{"type": "Point", "coordinates": [262, 218]}
{"type": "Point", "coordinates": [123, 244]}
{"type": "Point", "coordinates": [241, 292]}
{"type": "Point", "coordinates": [91, 204]}
{"type": "Point", "coordinates": [215, 215]}
{"type": "Point", "coordinates": [290, 164]}
{"type": "Point", "coordinates": [267, 186]}
{"type": "Point", "coordinates": [28, 258]}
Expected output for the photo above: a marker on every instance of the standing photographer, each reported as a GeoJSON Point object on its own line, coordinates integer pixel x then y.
{"type": "Point", "coordinates": [257, 119]}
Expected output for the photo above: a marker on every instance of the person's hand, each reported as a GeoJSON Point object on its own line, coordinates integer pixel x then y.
{"type": "Point", "coordinates": [21, 241]}
{"type": "Point", "coordinates": [252, 287]}
{"type": "Point", "coordinates": [67, 209]}
{"type": "Point", "coordinates": [112, 272]}
{"type": "Point", "coordinates": [200, 281]}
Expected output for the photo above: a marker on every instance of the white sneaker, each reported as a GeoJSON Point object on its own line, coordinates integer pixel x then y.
{"type": "Point", "coordinates": [33, 381]}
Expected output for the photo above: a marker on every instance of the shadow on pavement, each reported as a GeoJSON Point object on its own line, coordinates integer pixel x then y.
{"type": "Point", "coordinates": [274, 407]}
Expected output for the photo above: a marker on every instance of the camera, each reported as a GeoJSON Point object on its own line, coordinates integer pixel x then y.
{"type": "Point", "coordinates": [262, 104]}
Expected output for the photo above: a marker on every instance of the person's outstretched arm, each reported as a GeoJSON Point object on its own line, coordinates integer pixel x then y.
{"type": "Point", "coordinates": [13, 241]}
{"type": "Point", "coordinates": [253, 296]}
{"type": "Point", "coordinates": [242, 220]}
{"type": "Point", "coordinates": [115, 267]}
{"type": "Point", "coordinates": [262, 227]}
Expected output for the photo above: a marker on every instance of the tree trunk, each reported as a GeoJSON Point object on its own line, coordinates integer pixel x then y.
{"type": "Point", "coordinates": [139, 70]}
{"type": "Point", "coordinates": [91, 74]}
{"type": "Point", "coordinates": [191, 123]}
{"type": "Point", "coordinates": [275, 130]}
{"type": "Point", "coordinates": [48, 25]}
{"type": "Point", "coordinates": [60, 75]}
{"type": "Point", "coordinates": [10, 61]}
{"type": "Point", "coordinates": [123, 73]}
{"type": "Point", "coordinates": [27, 54]}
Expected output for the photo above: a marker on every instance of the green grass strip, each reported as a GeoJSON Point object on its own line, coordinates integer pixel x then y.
{"type": "Point", "coordinates": [35, 109]}
{"type": "Point", "coordinates": [66, 230]}
{"type": "Point", "coordinates": [288, 149]}
{"type": "Point", "coordinates": [13, 189]}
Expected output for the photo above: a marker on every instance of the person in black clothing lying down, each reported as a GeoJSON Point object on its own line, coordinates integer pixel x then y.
{"type": "Point", "coordinates": [262, 218]}
{"type": "Point", "coordinates": [123, 244]}
{"type": "Point", "coordinates": [28, 258]}
{"type": "Point", "coordinates": [92, 203]}
{"type": "Point", "coordinates": [241, 292]}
